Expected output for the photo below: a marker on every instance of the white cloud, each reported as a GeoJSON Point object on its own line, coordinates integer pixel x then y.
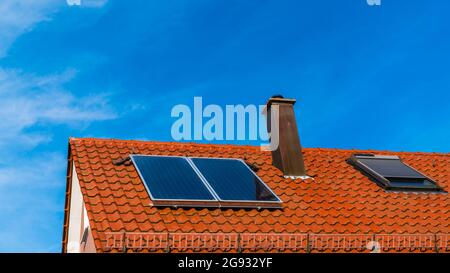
{"type": "Point", "coordinates": [20, 16]}
{"type": "Point", "coordinates": [32, 181]}
{"type": "Point", "coordinates": [31, 106]}
{"type": "Point", "coordinates": [42, 170]}
{"type": "Point", "coordinates": [27, 101]}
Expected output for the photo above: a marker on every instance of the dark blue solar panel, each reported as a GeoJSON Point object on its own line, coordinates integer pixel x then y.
{"type": "Point", "coordinates": [171, 178]}
{"type": "Point", "coordinates": [232, 180]}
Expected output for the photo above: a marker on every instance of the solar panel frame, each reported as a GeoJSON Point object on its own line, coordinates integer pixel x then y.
{"type": "Point", "coordinates": [243, 203]}
{"type": "Point", "coordinates": [179, 202]}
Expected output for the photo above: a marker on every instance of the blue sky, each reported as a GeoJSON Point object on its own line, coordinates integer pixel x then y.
{"type": "Point", "coordinates": [364, 77]}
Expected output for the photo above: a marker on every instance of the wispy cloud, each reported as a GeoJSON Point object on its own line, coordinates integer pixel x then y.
{"type": "Point", "coordinates": [42, 170]}
{"type": "Point", "coordinates": [20, 16]}
{"type": "Point", "coordinates": [28, 101]}
{"type": "Point", "coordinates": [31, 183]}
{"type": "Point", "coordinates": [32, 106]}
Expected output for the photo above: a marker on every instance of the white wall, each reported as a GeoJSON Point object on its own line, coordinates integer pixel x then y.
{"type": "Point", "coordinates": [78, 220]}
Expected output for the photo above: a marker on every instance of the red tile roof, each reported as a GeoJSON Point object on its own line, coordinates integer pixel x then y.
{"type": "Point", "coordinates": [340, 199]}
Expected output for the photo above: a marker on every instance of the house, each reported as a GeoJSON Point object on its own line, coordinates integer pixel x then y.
{"type": "Point", "coordinates": [309, 199]}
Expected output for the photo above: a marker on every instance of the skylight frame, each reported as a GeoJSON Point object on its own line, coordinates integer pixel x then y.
{"type": "Point", "coordinates": [218, 202]}
{"type": "Point", "coordinates": [385, 181]}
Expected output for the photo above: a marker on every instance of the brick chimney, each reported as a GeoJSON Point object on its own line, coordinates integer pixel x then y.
{"type": "Point", "coordinates": [288, 156]}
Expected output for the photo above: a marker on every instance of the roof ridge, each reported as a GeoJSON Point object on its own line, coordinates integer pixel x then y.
{"type": "Point", "coordinates": [355, 150]}
{"type": "Point", "coordinates": [160, 142]}
{"type": "Point", "coordinates": [344, 150]}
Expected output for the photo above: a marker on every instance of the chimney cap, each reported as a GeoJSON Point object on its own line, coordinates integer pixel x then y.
{"type": "Point", "coordinates": [279, 99]}
{"type": "Point", "coordinates": [278, 96]}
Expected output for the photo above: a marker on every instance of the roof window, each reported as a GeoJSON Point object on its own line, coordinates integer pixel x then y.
{"type": "Point", "coordinates": [391, 173]}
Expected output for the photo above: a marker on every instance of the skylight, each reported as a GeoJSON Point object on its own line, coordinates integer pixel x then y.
{"type": "Point", "coordinates": [392, 173]}
{"type": "Point", "coordinates": [203, 182]}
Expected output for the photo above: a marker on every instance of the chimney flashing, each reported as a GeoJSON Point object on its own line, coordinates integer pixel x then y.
{"type": "Point", "coordinates": [302, 177]}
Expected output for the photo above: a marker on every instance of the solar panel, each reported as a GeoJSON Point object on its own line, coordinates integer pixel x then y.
{"type": "Point", "coordinates": [182, 181]}
{"type": "Point", "coordinates": [232, 180]}
{"type": "Point", "coordinates": [171, 178]}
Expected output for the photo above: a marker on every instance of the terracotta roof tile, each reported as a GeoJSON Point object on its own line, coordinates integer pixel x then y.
{"type": "Point", "coordinates": [339, 200]}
